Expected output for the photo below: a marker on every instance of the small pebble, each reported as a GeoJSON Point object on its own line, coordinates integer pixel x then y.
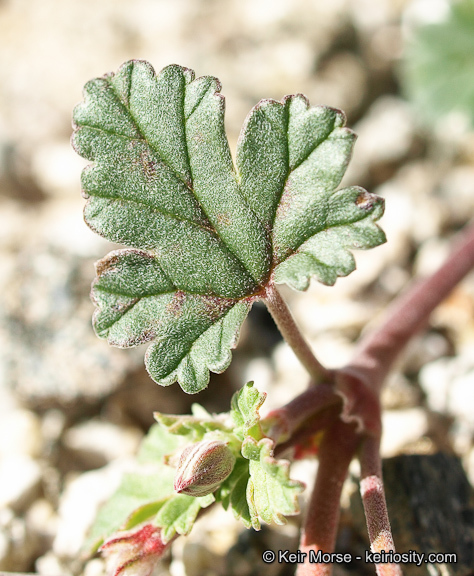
{"type": "Point", "coordinates": [20, 482]}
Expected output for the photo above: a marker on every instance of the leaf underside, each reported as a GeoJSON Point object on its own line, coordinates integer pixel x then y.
{"type": "Point", "coordinates": [206, 238]}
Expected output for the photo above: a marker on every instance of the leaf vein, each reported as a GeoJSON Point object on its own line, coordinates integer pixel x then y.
{"type": "Point", "coordinates": [160, 211]}
{"type": "Point", "coordinates": [139, 130]}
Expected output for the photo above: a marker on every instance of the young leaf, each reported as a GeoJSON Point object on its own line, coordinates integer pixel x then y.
{"type": "Point", "coordinates": [271, 494]}
{"type": "Point", "coordinates": [157, 444]}
{"type": "Point", "coordinates": [143, 488]}
{"type": "Point", "coordinates": [233, 492]}
{"type": "Point", "coordinates": [179, 514]}
{"type": "Point", "coordinates": [147, 494]}
{"type": "Point", "coordinates": [205, 238]}
{"type": "Point", "coordinates": [191, 427]}
{"type": "Point", "coordinates": [244, 411]}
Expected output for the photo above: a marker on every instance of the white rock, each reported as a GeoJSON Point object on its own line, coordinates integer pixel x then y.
{"type": "Point", "coordinates": [20, 433]}
{"type": "Point", "coordinates": [96, 440]}
{"type": "Point", "coordinates": [79, 504]}
{"type": "Point", "coordinates": [320, 311]}
{"type": "Point", "coordinates": [23, 545]}
{"type": "Point", "coordinates": [402, 427]}
{"type": "Point", "coordinates": [305, 471]}
{"type": "Point", "coordinates": [461, 397]}
{"type": "Point", "coordinates": [42, 519]}
{"type": "Point", "coordinates": [20, 478]}
{"type": "Point", "coordinates": [431, 255]}
{"type": "Point", "coordinates": [449, 386]}
{"type": "Point", "coordinates": [4, 550]}
{"type": "Point", "coordinates": [457, 188]}
{"type": "Point", "coordinates": [435, 378]}
{"type": "Point", "coordinates": [56, 167]}
{"type": "Point", "coordinates": [51, 565]}
{"type": "Point", "coordinates": [218, 529]}
{"type": "Point", "coordinates": [386, 132]}
{"type": "Point", "coordinates": [198, 560]}
{"type": "Point", "coordinates": [95, 567]}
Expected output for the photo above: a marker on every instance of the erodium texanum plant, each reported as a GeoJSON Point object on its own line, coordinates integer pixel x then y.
{"type": "Point", "coordinates": [205, 240]}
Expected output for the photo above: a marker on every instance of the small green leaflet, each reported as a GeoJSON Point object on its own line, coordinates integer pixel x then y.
{"type": "Point", "coordinates": [244, 411]}
{"type": "Point", "coordinates": [271, 494]}
{"type": "Point", "coordinates": [138, 489]}
{"type": "Point", "coordinates": [233, 492]}
{"type": "Point", "coordinates": [206, 239]}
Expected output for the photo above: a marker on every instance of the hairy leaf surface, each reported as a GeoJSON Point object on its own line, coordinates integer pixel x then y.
{"type": "Point", "coordinates": [206, 239]}
{"type": "Point", "coordinates": [271, 494]}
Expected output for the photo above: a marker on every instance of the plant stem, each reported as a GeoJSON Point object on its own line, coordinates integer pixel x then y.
{"type": "Point", "coordinates": [409, 313]}
{"type": "Point", "coordinates": [286, 420]}
{"type": "Point", "coordinates": [373, 498]}
{"type": "Point", "coordinates": [337, 449]}
{"type": "Point", "coordinates": [291, 333]}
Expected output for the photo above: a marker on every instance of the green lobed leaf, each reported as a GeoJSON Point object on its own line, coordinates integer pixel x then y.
{"type": "Point", "coordinates": [206, 238]}
{"type": "Point", "coordinates": [157, 444]}
{"type": "Point", "coordinates": [233, 492]}
{"type": "Point", "coordinates": [291, 158]}
{"type": "Point", "coordinates": [244, 411]}
{"type": "Point", "coordinates": [178, 514]}
{"type": "Point", "coordinates": [192, 334]}
{"type": "Point", "coordinates": [143, 488]}
{"type": "Point", "coordinates": [192, 427]}
{"type": "Point", "coordinates": [271, 494]}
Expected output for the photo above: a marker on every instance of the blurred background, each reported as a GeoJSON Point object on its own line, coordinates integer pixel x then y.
{"type": "Point", "coordinates": [73, 410]}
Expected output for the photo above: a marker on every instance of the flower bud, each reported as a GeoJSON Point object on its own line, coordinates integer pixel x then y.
{"type": "Point", "coordinates": [203, 467]}
{"type": "Point", "coordinates": [134, 552]}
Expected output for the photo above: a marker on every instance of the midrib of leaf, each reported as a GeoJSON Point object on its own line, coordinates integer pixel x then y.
{"type": "Point", "coordinates": [176, 518]}
{"type": "Point", "coordinates": [289, 172]}
{"type": "Point", "coordinates": [191, 293]}
{"type": "Point", "coordinates": [129, 295]}
{"type": "Point", "coordinates": [196, 106]}
{"type": "Point", "coordinates": [229, 248]}
{"type": "Point", "coordinates": [143, 137]}
{"type": "Point", "coordinates": [210, 229]}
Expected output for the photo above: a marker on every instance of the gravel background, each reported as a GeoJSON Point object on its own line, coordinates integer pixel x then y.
{"type": "Point", "coordinates": [73, 410]}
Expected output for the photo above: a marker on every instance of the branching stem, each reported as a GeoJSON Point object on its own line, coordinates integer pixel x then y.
{"type": "Point", "coordinates": [336, 452]}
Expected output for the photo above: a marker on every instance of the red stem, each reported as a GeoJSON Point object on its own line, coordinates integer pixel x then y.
{"type": "Point", "coordinates": [285, 421]}
{"type": "Point", "coordinates": [359, 384]}
{"type": "Point", "coordinates": [373, 498]}
{"type": "Point", "coordinates": [409, 313]}
{"type": "Point", "coordinates": [291, 333]}
{"type": "Point", "coordinates": [337, 449]}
